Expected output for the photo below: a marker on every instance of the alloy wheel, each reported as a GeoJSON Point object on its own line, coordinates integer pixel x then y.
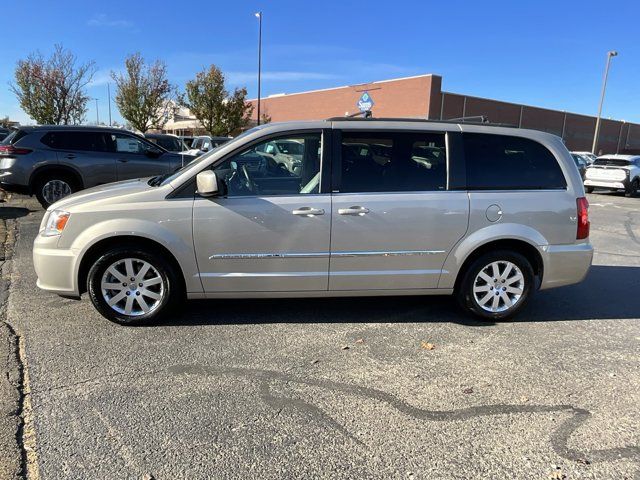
{"type": "Point", "coordinates": [54, 190]}
{"type": "Point", "coordinates": [133, 287]}
{"type": "Point", "coordinates": [498, 286]}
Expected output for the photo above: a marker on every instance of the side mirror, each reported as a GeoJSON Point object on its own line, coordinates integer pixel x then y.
{"type": "Point", "coordinates": [207, 184]}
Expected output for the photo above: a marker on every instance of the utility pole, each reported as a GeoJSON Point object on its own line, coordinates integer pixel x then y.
{"type": "Point", "coordinates": [259, 16]}
{"type": "Point", "coordinates": [610, 54]}
{"type": "Point", "coordinates": [97, 113]}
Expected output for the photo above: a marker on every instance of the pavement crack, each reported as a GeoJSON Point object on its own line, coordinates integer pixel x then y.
{"type": "Point", "coordinates": [559, 438]}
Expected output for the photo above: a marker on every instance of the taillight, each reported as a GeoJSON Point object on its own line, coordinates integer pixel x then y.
{"type": "Point", "coordinates": [583, 218]}
{"type": "Point", "coordinates": [11, 150]}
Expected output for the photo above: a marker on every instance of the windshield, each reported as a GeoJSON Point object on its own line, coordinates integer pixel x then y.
{"type": "Point", "coordinates": [169, 143]}
{"type": "Point", "coordinates": [612, 162]}
{"type": "Point", "coordinates": [166, 178]}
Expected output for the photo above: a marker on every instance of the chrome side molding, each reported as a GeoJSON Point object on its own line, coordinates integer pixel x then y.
{"type": "Point", "coordinates": [396, 253]}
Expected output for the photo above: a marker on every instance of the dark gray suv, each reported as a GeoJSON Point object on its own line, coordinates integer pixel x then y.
{"type": "Point", "coordinates": [52, 162]}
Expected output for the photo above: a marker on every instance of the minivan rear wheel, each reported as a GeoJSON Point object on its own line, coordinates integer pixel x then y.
{"type": "Point", "coordinates": [130, 286]}
{"type": "Point", "coordinates": [497, 285]}
{"type": "Point", "coordinates": [51, 187]}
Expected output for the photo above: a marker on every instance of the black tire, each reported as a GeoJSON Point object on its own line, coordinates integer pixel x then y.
{"type": "Point", "coordinates": [588, 189]}
{"type": "Point", "coordinates": [172, 287]}
{"type": "Point", "coordinates": [466, 297]}
{"type": "Point", "coordinates": [633, 189]}
{"type": "Point", "coordinates": [44, 179]}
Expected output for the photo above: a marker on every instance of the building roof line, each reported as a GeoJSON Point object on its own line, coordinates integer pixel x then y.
{"type": "Point", "coordinates": [534, 106]}
{"type": "Point", "coordinates": [280, 95]}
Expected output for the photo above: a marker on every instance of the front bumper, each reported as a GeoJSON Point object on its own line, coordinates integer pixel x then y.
{"type": "Point", "coordinates": [565, 264]}
{"type": "Point", "coordinates": [55, 267]}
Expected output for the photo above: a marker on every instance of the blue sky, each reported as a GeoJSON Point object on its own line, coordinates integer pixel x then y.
{"type": "Point", "coordinates": [549, 53]}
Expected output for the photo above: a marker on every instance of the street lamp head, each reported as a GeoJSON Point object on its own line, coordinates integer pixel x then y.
{"type": "Point", "coordinates": [258, 14]}
{"type": "Point", "coordinates": [613, 53]}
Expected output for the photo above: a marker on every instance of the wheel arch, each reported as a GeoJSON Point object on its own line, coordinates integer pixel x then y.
{"type": "Point", "coordinates": [103, 245]}
{"type": "Point", "coordinates": [45, 169]}
{"type": "Point", "coordinates": [526, 249]}
{"type": "Point", "coordinates": [517, 237]}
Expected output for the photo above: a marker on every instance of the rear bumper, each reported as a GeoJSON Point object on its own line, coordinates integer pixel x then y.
{"type": "Point", "coordinates": [565, 264]}
{"type": "Point", "coordinates": [55, 267]}
{"type": "Point", "coordinates": [607, 183]}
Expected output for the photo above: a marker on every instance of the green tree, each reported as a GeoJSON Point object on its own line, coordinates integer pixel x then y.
{"type": "Point", "coordinates": [52, 91]}
{"type": "Point", "coordinates": [144, 93]}
{"type": "Point", "coordinates": [219, 112]}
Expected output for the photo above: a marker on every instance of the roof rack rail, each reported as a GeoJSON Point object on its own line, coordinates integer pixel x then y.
{"type": "Point", "coordinates": [479, 120]}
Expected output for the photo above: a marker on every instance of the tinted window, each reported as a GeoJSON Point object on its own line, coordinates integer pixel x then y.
{"type": "Point", "coordinates": [13, 137]}
{"type": "Point", "coordinates": [168, 143]}
{"type": "Point", "coordinates": [254, 172]}
{"type": "Point", "coordinates": [612, 162]}
{"type": "Point", "coordinates": [393, 162]}
{"type": "Point", "coordinates": [84, 141]}
{"type": "Point", "coordinates": [500, 162]}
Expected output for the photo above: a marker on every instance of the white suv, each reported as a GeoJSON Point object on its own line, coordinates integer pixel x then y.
{"type": "Point", "coordinates": [614, 172]}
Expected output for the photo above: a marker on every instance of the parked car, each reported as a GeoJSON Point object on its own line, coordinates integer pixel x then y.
{"type": "Point", "coordinates": [614, 172]}
{"type": "Point", "coordinates": [287, 153]}
{"type": "Point", "coordinates": [590, 157]}
{"type": "Point", "coordinates": [4, 132]}
{"type": "Point", "coordinates": [187, 140]}
{"type": "Point", "coordinates": [171, 143]}
{"type": "Point", "coordinates": [581, 163]}
{"type": "Point", "coordinates": [505, 214]}
{"type": "Point", "coordinates": [206, 143]}
{"type": "Point", "coordinates": [52, 162]}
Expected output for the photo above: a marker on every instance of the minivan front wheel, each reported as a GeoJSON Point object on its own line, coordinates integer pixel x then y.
{"type": "Point", "coordinates": [130, 286]}
{"type": "Point", "coordinates": [497, 285]}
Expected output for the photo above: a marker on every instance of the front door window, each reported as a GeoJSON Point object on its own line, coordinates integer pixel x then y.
{"type": "Point", "coordinates": [265, 170]}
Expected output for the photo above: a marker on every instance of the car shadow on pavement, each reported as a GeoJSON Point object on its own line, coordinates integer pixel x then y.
{"type": "Point", "coordinates": [606, 293]}
{"type": "Point", "coordinates": [7, 213]}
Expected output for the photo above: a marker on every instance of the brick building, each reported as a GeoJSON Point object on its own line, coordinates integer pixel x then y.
{"type": "Point", "coordinates": [422, 97]}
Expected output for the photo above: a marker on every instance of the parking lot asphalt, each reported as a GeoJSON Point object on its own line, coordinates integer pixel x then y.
{"type": "Point", "coordinates": [344, 388]}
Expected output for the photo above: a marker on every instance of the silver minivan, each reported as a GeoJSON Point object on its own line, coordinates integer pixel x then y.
{"type": "Point", "coordinates": [375, 207]}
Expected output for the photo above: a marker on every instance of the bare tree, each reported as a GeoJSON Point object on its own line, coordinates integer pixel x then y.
{"type": "Point", "coordinates": [5, 122]}
{"type": "Point", "coordinates": [52, 91]}
{"type": "Point", "coordinates": [219, 112]}
{"type": "Point", "coordinates": [144, 93]}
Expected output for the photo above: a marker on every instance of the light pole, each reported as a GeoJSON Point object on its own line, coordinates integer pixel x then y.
{"type": "Point", "coordinates": [97, 113]}
{"type": "Point", "coordinates": [610, 54]}
{"type": "Point", "coordinates": [259, 17]}
{"type": "Point", "coordinates": [109, 95]}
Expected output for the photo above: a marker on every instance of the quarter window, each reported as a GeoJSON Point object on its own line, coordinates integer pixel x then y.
{"type": "Point", "coordinates": [393, 162]}
{"type": "Point", "coordinates": [256, 171]}
{"type": "Point", "coordinates": [501, 162]}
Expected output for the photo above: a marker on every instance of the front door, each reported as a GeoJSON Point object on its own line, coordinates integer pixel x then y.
{"type": "Point", "coordinates": [394, 221]}
{"type": "Point", "coordinates": [137, 158]}
{"type": "Point", "coordinates": [270, 232]}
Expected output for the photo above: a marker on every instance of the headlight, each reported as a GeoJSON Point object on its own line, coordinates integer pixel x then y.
{"type": "Point", "coordinates": [55, 223]}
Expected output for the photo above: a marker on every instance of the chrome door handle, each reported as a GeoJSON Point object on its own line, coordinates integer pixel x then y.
{"type": "Point", "coordinates": [354, 210]}
{"type": "Point", "coordinates": [70, 156]}
{"type": "Point", "coordinates": [308, 211]}
{"type": "Point", "coordinates": [123, 160]}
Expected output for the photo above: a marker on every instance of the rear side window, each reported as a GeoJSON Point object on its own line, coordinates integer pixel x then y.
{"type": "Point", "coordinates": [501, 162]}
{"type": "Point", "coordinates": [393, 162]}
{"type": "Point", "coordinates": [82, 141]}
{"type": "Point", "coordinates": [13, 137]}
